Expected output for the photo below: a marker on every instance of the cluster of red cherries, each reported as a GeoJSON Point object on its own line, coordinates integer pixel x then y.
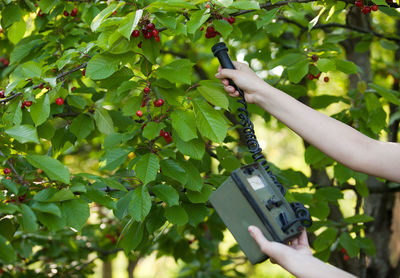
{"type": "Point", "coordinates": [73, 13]}
{"type": "Point", "coordinates": [210, 31]}
{"type": "Point", "coordinates": [149, 30]}
{"type": "Point", "coordinates": [365, 9]}
{"type": "Point", "coordinates": [167, 136]}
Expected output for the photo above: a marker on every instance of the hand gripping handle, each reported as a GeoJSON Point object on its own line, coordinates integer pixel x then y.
{"type": "Point", "coordinates": [221, 52]}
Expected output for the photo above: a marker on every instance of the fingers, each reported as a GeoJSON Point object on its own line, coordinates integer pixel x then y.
{"type": "Point", "coordinates": [303, 240]}
{"type": "Point", "coordinates": [226, 73]}
{"type": "Point", "coordinates": [266, 246]}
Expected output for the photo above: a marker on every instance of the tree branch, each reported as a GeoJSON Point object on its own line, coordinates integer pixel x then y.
{"type": "Point", "coordinates": [20, 179]}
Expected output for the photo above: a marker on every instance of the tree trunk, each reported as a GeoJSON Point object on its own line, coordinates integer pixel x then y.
{"type": "Point", "coordinates": [107, 269]}
{"type": "Point", "coordinates": [131, 268]}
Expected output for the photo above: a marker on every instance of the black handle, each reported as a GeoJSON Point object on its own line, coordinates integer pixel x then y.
{"type": "Point", "coordinates": [221, 52]}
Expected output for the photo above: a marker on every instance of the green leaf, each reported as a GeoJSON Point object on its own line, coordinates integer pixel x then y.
{"type": "Point", "coordinates": [132, 105]}
{"type": "Point", "coordinates": [389, 45]}
{"type": "Point", "coordinates": [331, 194]}
{"type": "Point", "coordinates": [16, 32]}
{"type": "Point", "coordinates": [28, 222]}
{"type": "Point", "coordinates": [197, 212]}
{"type": "Point", "coordinates": [133, 235]}
{"type": "Point", "coordinates": [196, 20]}
{"type": "Point", "coordinates": [47, 5]}
{"type": "Point", "coordinates": [266, 17]}
{"type": "Point", "coordinates": [224, 3]}
{"type": "Point", "coordinates": [7, 252]}
{"type": "Point", "coordinates": [176, 215]}
{"type": "Point", "coordinates": [194, 180]}
{"type": "Point", "coordinates": [210, 122]}
{"type": "Point", "coordinates": [31, 69]}
{"type": "Point", "coordinates": [325, 239]}
{"type": "Point", "coordinates": [342, 173]}
{"type": "Point", "coordinates": [61, 195]}
{"type": "Point", "coordinates": [166, 193]}
{"type": "Point", "coordinates": [152, 130]}
{"type": "Point", "coordinates": [40, 110]}
{"type": "Point", "coordinates": [167, 20]}
{"type": "Point", "coordinates": [104, 14]}
{"type": "Point", "coordinates": [349, 244]}
{"type": "Point", "coordinates": [52, 222]}
{"type": "Point", "coordinates": [297, 71]}
{"type": "Point", "coordinates": [10, 185]}
{"type": "Point", "coordinates": [245, 5]}
{"type": "Point", "coordinates": [76, 101]}
{"type": "Point", "coordinates": [324, 101]}
{"type": "Point", "coordinates": [76, 213]}
{"type": "Point", "coordinates": [214, 93]}
{"type": "Point", "coordinates": [179, 71]}
{"type": "Point", "coordinates": [346, 66]}
{"type": "Point", "coordinates": [173, 170]}
{"type": "Point", "coordinates": [325, 64]}
{"type": "Point", "coordinates": [147, 168]}
{"type": "Point", "coordinates": [388, 94]}
{"type": "Point", "coordinates": [13, 114]}
{"type": "Point", "coordinates": [140, 204]}
{"type": "Point", "coordinates": [82, 126]}
{"type": "Point", "coordinates": [200, 197]}
{"type": "Point", "coordinates": [52, 167]}
{"type": "Point", "coordinates": [320, 209]}
{"type": "Point", "coordinates": [223, 27]}
{"type": "Point", "coordinates": [129, 23]}
{"type": "Point", "coordinates": [23, 134]}
{"type": "Point", "coordinates": [50, 208]}
{"type": "Point", "coordinates": [359, 218]}
{"type": "Point", "coordinates": [182, 122]}
{"type": "Point", "coordinates": [113, 158]}
{"type": "Point", "coordinates": [315, 20]}
{"type": "Point", "coordinates": [151, 50]}
{"type": "Point", "coordinates": [99, 197]}
{"type": "Point", "coordinates": [114, 184]}
{"type": "Point", "coordinates": [101, 66]}
{"type": "Point", "coordinates": [103, 121]}
{"type": "Point", "coordinates": [10, 14]}
{"type": "Point", "coordinates": [194, 149]}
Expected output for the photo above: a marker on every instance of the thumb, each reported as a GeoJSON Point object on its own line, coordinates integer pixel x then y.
{"type": "Point", "coordinates": [268, 247]}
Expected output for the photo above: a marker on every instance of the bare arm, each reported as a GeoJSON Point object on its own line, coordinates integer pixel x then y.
{"type": "Point", "coordinates": [296, 258]}
{"type": "Point", "coordinates": [336, 139]}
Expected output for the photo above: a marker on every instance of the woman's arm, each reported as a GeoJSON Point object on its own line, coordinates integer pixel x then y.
{"type": "Point", "coordinates": [296, 257]}
{"type": "Point", "coordinates": [336, 139]}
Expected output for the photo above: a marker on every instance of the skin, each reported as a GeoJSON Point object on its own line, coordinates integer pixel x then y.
{"type": "Point", "coordinates": [336, 139]}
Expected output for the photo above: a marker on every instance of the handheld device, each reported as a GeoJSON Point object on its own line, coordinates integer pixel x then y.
{"type": "Point", "coordinates": [252, 195]}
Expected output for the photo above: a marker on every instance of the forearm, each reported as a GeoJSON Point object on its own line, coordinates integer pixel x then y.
{"type": "Point", "coordinates": [336, 139]}
{"type": "Point", "coordinates": [311, 267]}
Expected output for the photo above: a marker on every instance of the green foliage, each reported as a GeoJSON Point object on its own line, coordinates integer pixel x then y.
{"type": "Point", "coordinates": [92, 176]}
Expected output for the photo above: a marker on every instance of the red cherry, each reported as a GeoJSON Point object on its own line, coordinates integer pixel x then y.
{"type": "Point", "coordinates": [166, 134]}
{"type": "Point", "coordinates": [346, 257]}
{"type": "Point", "coordinates": [160, 102]}
{"type": "Point", "coordinates": [147, 35]}
{"type": "Point", "coordinates": [151, 26]}
{"type": "Point", "coordinates": [210, 29]}
{"type": "Point", "coordinates": [74, 11]}
{"type": "Point", "coordinates": [314, 57]}
{"type": "Point", "coordinates": [155, 32]}
{"type": "Point", "coordinates": [2, 94]}
{"type": "Point", "coordinates": [48, 87]}
{"type": "Point", "coordinates": [59, 101]}
{"type": "Point", "coordinates": [28, 103]}
{"type": "Point", "coordinates": [157, 38]}
{"type": "Point", "coordinates": [73, 89]}
{"type": "Point", "coordinates": [6, 171]}
{"type": "Point", "coordinates": [6, 62]}
{"type": "Point", "coordinates": [66, 13]}
{"type": "Point", "coordinates": [23, 105]}
{"type": "Point", "coordinates": [310, 76]}
{"type": "Point", "coordinates": [135, 33]}
{"type": "Point", "coordinates": [326, 79]}
{"type": "Point", "coordinates": [207, 6]}
{"type": "Point", "coordinates": [318, 75]}
{"type": "Point", "coordinates": [374, 7]}
{"type": "Point", "coordinates": [114, 12]}
{"type": "Point", "coordinates": [366, 10]}
{"type": "Point", "coordinates": [139, 113]}
{"type": "Point", "coordinates": [40, 13]}
{"type": "Point", "coordinates": [146, 90]}
{"type": "Point", "coordinates": [41, 85]}
{"type": "Point", "coordinates": [231, 19]}
{"type": "Point", "coordinates": [359, 4]}
{"type": "Point", "coordinates": [343, 251]}
{"type": "Point", "coordinates": [139, 45]}
{"type": "Point", "coordinates": [201, 28]}
{"type": "Point", "coordinates": [162, 132]}
{"type": "Point", "coordinates": [144, 102]}
{"type": "Point", "coordinates": [84, 72]}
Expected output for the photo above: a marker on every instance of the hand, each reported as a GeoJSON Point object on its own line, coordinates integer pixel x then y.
{"type": "Point", "coordinates": [279, 252]}
{"type": "Point", "coordinates": [245, 78]}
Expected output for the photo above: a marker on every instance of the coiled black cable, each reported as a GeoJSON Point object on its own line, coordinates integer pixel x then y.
{"type": "Point", "coordinates": [221, 52]}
